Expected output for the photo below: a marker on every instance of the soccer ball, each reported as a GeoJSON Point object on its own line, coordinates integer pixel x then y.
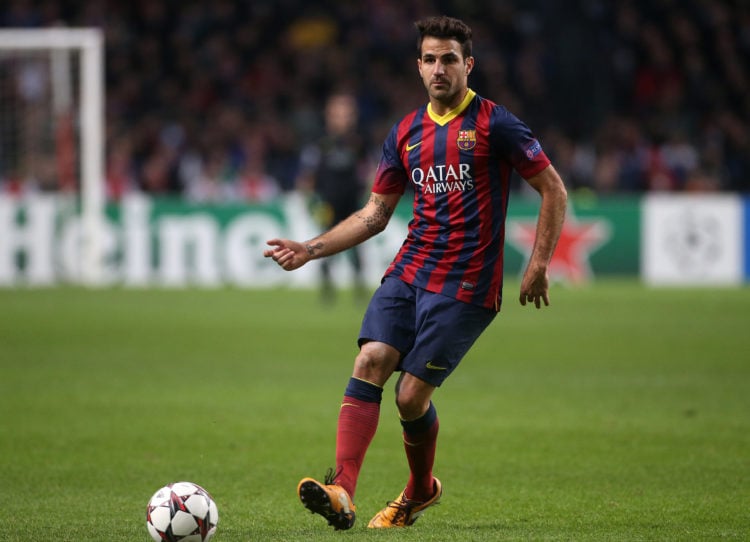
{"type": "Point", "coordinates": [181, 512]}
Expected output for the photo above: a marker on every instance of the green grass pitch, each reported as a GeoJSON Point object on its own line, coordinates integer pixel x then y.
{"type": "Point", "coordinates": [618, 413]}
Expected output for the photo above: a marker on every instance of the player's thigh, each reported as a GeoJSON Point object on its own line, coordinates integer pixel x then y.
{"type": "Point", "coordinates": [390, 316]}
{"type": "Point", "coordinates": [447, 330]}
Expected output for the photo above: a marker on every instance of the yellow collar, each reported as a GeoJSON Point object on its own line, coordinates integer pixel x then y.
{"type": "Point", "coordinates": [442, 120]}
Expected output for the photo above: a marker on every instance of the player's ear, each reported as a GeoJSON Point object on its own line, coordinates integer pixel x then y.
{"type": "Point", "coordinates": [469, 64]}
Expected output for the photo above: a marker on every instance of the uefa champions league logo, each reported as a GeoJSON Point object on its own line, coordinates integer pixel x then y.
{"type": "Point", "coordinates": [693, 241]}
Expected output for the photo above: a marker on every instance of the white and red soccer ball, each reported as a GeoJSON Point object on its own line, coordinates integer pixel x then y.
{"type": "Point", "coordinates": [181, 512]}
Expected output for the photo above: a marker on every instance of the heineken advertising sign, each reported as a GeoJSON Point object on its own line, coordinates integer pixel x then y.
{"type": "Point", "coordinates": [148, 242]}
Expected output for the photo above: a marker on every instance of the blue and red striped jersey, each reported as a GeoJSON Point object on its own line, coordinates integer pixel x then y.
{"type": "Point", "coordinates": [459, 166]}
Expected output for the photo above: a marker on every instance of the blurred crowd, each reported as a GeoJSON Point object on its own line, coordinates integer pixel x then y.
{"type": "Point", "coordinates": [214, 100]}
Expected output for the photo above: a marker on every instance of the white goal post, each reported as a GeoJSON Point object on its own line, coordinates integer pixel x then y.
{"type": "Point", "coordinates": [89, 42]}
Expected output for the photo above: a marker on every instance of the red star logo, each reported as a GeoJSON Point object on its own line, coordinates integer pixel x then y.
{"type": "Point", "coordinates": [578, 239]}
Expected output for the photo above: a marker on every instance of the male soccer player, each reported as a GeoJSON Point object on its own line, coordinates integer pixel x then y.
{"type": "Point", "coordinates": [457, 153]}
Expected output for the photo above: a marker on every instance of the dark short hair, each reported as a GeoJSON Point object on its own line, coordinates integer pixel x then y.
{"type": "Point", "coordinates": [444, 27]}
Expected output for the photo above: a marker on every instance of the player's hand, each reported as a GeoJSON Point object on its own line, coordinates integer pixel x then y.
{"type": "Point", "coordinates": [535, 288]}
{"type": "Point", "coordinates": [288, 254]}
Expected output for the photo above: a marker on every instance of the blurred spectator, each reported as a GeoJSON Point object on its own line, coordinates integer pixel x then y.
{"type": "Point", "coordinates": [646, 95]}
{"type": "Point", "coordinates": [331, 174]}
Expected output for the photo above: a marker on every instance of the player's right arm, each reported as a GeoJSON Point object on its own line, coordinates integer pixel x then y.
{"type": "Point", "coordinates": [357, 228]}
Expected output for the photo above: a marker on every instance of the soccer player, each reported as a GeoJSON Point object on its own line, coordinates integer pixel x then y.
{"type": "Point", "coordinates": [456, 152]}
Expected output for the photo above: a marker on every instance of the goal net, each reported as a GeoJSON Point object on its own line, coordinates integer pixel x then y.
{"type": "Point", "coordinates": [51, 124]}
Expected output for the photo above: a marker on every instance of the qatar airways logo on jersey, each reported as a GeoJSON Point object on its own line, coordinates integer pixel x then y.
{"type": "Point", "coordinates": [443, 179]}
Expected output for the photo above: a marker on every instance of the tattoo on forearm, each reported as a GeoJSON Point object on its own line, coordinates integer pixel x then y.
{"type": "Point", "coordinates": [377, 222]}
{"type": "Point", "coordinates": [312, 250]}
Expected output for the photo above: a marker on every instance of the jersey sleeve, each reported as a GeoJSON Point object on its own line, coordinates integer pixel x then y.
{"type": "Point", "coordinates": [391, 176]}
{"type": "Point", "coordinates": [516, 143]}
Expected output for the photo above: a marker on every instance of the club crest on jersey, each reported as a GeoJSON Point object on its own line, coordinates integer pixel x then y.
{"type": "Point", "coordinates": [467, 139]}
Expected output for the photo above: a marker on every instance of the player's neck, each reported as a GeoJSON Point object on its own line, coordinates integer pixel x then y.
{"type": "Point", "coordinates": [441, 108]}
{"type": "Point", "coordinates": [452, 113]}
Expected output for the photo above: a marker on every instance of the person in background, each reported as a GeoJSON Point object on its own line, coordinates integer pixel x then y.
{"type": "Point", "coordinates": [330, 170]}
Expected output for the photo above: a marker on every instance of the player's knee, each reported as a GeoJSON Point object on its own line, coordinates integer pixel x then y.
{"type": "Point", "coordinates": [411, 406]}
{"type": "Point", "coordinates": [412, 397]}
{"type": "Point", "coordinates": [375, 362]}
{"type": "Point", "coordinates": [365, 363]}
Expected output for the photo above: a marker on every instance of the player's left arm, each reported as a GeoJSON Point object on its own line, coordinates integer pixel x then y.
{"type": "Point", "coordinates": [535, 282]}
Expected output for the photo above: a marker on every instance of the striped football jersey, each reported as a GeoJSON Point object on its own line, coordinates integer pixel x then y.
{"type": "Point", "coordinates": [459, 167]}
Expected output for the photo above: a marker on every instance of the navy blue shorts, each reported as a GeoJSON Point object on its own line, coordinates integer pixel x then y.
{"type": "Point", "coordinates": [433, 332]}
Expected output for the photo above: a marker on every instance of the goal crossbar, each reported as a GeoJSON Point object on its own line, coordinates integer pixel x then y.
{"type": "Point", "coordinates": [50, 38]}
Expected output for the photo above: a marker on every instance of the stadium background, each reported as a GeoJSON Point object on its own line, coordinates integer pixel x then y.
{"type": "Point", "coordinates": [209, 103]}
{"type": "Point", "coordinates": [618, 413]}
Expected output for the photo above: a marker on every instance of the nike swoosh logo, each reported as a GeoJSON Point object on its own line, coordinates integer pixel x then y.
{"type": "Point", "coordinates": [429, 365]}
{"type": "Point", "coordinates": [411, 147]}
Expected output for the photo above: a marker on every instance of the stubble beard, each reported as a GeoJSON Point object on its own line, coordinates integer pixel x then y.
{"type": "Point", "coordinates": [447, 95]}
